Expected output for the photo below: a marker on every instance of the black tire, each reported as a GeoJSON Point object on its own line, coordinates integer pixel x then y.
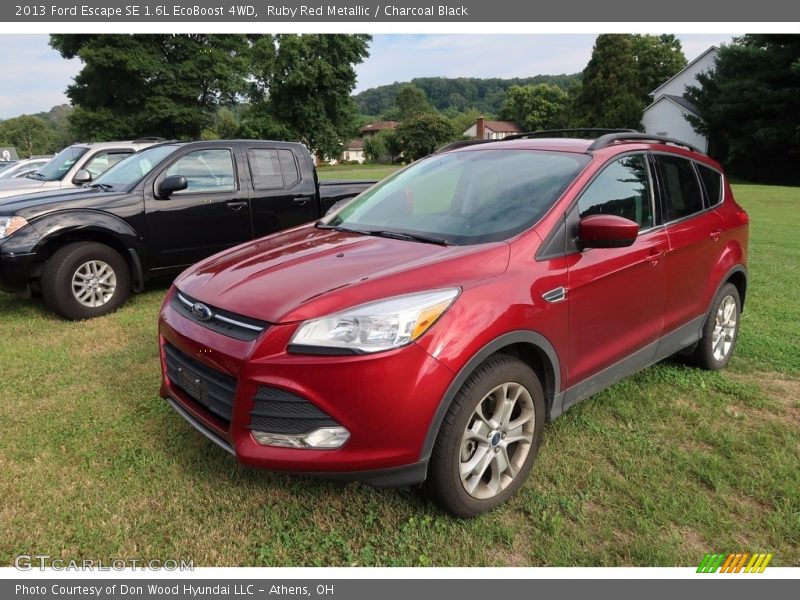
{"type": "Point", "coordinates": [444, 483]}
{"type": "Point", "coordinates": [61, 268]}
{"type": "Point", "coordinates": [704, 354]}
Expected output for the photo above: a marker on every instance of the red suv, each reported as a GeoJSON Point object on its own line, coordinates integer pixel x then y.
{"type": "Point", "coordinates": [425, 331]}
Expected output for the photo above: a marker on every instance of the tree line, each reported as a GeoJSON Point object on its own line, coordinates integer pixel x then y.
{"type": "Point", "coordinates": [299, 87]}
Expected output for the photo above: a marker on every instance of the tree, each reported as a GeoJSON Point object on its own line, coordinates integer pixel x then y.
{"type": "Point", "coordinates": [412, 101]}
{"type": "Point", "coordinates": [301, 88]}
{"type": "Point", "coordinates": [167, 85]}
{"type": "Point", "coordinates": [226, 126]}
{"type": "Point", "coordinates": [657, 59]}
{"type": "Point", "coordinates": [610, 95]}
{"type": "Point", "coordinates": [421, 135]}
{"type": "Point", "coordinates": [749, 107]}
{"type": "Point", "coordinates": [382, 146]}
{"type": "Point", "coordinates": [30, 135]}
{"type": "Point", "coordinates": [541, 106]}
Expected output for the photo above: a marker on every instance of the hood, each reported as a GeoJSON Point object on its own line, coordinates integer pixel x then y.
{"type": "Point", "coordinates": [31, 206]}
{"type": "Point", "coordinates": [307, 272]}
{"type": "Point", "coordinates": [23, 185]}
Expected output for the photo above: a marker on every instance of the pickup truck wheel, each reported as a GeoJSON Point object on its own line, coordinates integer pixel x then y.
{"type": "Point", "coordinates": [85, 280]}
{"type": "Point", "coordinates": [489, 438]}
{"type": "Point", "coordinates": [720, 331]}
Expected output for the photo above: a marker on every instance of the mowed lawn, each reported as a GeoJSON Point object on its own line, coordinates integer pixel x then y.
{"type": "Point", "coordinates": [356, 171]}
{"type": "Point", "coordinates": [658, 470]}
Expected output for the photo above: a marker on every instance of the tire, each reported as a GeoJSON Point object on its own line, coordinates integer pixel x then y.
{"type": "Point", "coordinates": [713, 351]}
{"type": "Point", "coordinates": [504, 465]}
{"type": "Point", "coordinates": [85, 280]}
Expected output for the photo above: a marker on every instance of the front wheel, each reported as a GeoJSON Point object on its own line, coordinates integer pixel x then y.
{"type": "Point", "coordinates": [489, 438]}
{"type": "Point", "coordinates": [721, 330]}
{"type": "Point", "coordinates": [85, 280]}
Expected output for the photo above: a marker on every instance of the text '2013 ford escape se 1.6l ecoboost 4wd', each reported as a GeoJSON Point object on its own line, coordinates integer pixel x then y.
{"type": "Point", "coordinates": [425, 331]}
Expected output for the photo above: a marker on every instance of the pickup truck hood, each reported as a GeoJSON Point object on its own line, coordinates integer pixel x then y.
{"type": "Point", "coordinates": [34, 205]}
{"type": "Point", "coordinates": [23, 185]}
{"type": "Point", "coordinates": [308, 272]}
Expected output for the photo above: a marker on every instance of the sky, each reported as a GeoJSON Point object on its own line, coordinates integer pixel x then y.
{"type": "Point", "coordinates": [33, 77]}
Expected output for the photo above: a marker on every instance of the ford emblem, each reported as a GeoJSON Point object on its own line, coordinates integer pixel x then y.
{"type": "Point", "coordinates": [201, 312]}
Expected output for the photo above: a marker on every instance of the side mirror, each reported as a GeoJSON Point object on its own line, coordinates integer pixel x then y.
{"type": "Point", "coordinates": [606, 231]}
{"type": "Point", "coordinates": [82, 177]}
{"type": "Point", "coordinates": [172, 184]}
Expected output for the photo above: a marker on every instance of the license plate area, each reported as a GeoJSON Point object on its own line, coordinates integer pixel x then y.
{"type": "Point", "coordinates": [191, 383]}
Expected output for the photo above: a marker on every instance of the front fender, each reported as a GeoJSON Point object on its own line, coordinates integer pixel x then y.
{"type": "Point", "coordinates": [64, 222]}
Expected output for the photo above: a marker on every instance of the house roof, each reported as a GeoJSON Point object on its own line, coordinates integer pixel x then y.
{"type": "Point", "coordinates": [380, 125]}
{"type": "Point", "coordinates": [356, 144]}
{"type": "Point", "coordinates": [714, 49]}
{"type": "Point", "coordinates": [679, 100]}
{"type": "Point", "coordinates": [502, 126]}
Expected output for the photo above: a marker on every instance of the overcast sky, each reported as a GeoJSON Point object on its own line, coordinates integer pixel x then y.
{"type": "Point", "coordinates": [33, 76]}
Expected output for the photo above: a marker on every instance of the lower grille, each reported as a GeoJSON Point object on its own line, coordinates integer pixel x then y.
{"type": "Point", "coordinates": [279, 411]}
{"type": "Point", "coordinates": [211, 389]}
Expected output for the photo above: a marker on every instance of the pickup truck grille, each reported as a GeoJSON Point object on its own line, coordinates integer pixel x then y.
{"type": "Point", "coordinates": [212, 390]}
{"type": "Point", "coordinates": [216, 319]}
{"type": "Point", "coordinates": [279, 411]}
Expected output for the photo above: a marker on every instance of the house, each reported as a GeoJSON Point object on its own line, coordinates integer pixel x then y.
{"type": "Point", "coordinates": [485, 129]}
{"type": "Point", "coordinates": [354, 151]}
{"type": "Point", "coordinates": [373, 128]}
{"type": "Point", "coordinates": [667, 114]}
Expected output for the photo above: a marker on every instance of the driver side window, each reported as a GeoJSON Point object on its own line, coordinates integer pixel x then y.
{"type": "Point", "coordinates": [622, 189]}
{"type": "Point", "coordinates": [208, 171]}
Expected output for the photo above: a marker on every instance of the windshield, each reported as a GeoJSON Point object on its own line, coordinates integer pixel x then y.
{"type": "Point", "coordinates": [129, 172]}
{"type": "Point", "coordinates": [467, 197]}
{"type": "Point", "coordinates": [60, 164]}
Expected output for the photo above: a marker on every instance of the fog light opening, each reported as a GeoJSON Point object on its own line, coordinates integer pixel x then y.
{"type": "Point", "coordinates": [324, 438]}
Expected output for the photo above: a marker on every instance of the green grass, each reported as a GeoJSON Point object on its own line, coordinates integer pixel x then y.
{"type": "Point", "coordinates": [356, 171]}
{"type": "Point", "coordinates": [658, 470]}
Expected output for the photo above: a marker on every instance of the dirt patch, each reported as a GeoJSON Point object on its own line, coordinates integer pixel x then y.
{"type": "Point", "coordinates": [784, 391]}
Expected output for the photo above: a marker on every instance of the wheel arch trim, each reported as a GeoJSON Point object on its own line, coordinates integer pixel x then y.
{"type": "Point", "coordinates": [509, 339]}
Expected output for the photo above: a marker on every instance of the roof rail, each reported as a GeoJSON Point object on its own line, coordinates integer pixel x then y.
{"type": "Point", "coordinates": [608, 139]}
{"type": "Point", "coordinates": [594, 131]}
{"type": "Point", "coordinates": [461, 144]}
{"type": "Point", "coordinates": [148, 139]}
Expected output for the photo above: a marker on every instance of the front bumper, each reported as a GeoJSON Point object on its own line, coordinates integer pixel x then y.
{"type": "Point", "coordinates": [386, 400]}
{"type": "Point", "coordinates": [15, 271]}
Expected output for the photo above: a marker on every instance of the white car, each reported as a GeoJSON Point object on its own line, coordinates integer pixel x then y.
{"type": "Point", "coordinates": [24, 167]}
{"type": "Point", "coordinates": [73, 167]}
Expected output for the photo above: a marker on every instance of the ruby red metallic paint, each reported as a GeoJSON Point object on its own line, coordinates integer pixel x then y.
{"type": "Point", "coordinates": [618, 301]}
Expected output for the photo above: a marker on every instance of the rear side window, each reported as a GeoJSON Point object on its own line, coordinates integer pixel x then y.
{"type": "Point", "coordinates": [623, 190]}
{"type": "Point", "coordinates": [712, 181]}
{"type": "Point", "coordinates": [272, 169]}
{"type": "Point", "coordinates": [681, 188]}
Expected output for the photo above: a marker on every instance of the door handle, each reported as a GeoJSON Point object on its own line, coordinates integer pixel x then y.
{"type": "Point", "coordinates": [302, 200]}
{"type": "Point", "coordinates": [236, 204]}
{"type": "Point", "coordinates": [653, 258]}
{"type": "Point", "coordinates": [715, 234]}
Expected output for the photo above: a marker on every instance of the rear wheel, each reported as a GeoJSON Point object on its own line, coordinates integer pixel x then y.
{"type": "Point", "coordinates": [85, 280]}
{"type": "Point", "coordinates": [489, 438]}
{"type": "Point", "coordinates": [720, 331]}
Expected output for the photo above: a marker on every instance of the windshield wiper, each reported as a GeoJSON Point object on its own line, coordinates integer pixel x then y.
{"type": "Point", "coordinates": [36, 176]}
{"type": "Point", "coordinates": [399, 235]}
{"type": "Point", "coordinates": [102, 186]}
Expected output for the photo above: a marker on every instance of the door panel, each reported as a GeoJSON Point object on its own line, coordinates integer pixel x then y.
{"type": "Point", "coordinates": [694, 238]}
{"type": "Point", "coordinates": [616, 295]}
{"type": "Point", "coordinates": [212, 214]}
{"type": "Point", "coordinates": [280, 197]}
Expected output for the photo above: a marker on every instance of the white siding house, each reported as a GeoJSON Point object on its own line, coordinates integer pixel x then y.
{"type": "Point", "coordinates": [667, 114]}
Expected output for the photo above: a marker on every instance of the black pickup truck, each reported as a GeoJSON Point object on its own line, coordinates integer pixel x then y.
{"type": "Point", "coordinates": [154, 213]}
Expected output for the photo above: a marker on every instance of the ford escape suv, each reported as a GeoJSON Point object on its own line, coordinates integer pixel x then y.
{"type": "Point", "coordinates": [425, 331]}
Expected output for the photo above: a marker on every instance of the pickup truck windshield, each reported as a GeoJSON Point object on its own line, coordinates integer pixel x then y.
{"type": "Point", "coordinates": [129, 171]}
{"type": "Point", "coordinates": [466, 197]}
{"type": "Point", "coordinates": [59, 165]}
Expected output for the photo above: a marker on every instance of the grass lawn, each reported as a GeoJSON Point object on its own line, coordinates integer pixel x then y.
{"type": "Point", "coordinates": [658, 470]}
{"type": "Point", "coordinates": [356, 171]}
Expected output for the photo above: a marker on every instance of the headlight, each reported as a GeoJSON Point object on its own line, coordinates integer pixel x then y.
{"type": "Point", "coordinates": [376, 326]}
{"type": "Point", "coordinates": [9, 225]}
